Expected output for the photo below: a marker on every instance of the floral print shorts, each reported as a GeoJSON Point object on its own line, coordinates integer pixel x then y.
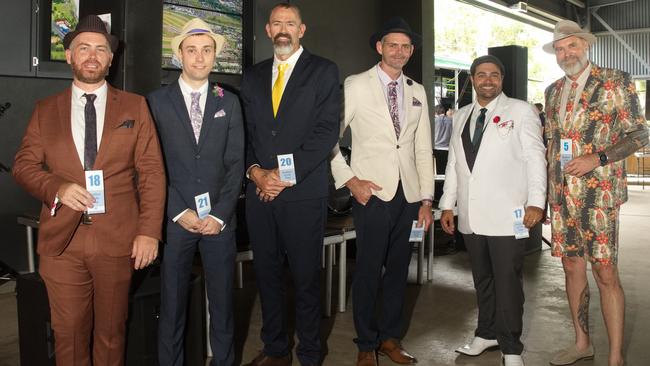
{"type": "Point", "coordinates": [583, 231]}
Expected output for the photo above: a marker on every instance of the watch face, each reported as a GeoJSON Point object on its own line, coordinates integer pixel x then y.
{"type": "Point", "coordinates": [603, 159]}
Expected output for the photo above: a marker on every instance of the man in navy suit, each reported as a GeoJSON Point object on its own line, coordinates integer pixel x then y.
{"type": "Point", "coordinates": [291, 103]}
{"type": "Point", "coordinates": [202, 135]}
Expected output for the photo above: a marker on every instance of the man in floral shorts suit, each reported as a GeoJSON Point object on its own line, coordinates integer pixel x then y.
{"type": "Point", "coordinates": [593, 123]}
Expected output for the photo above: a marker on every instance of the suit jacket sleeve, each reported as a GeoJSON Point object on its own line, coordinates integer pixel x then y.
{"type": "Point", "coordinates": [534, 156]}
{"type": "Point", "coordinates": [450, 188]}
{"type": "Point", "coordinates": [320, 141]}
{"type": "Point", "coordinates": [424, 152]}
{"type": "Point", "coordinates": [246, 90]}
{"type": "Point", "coordinates": [233, 162]}
{"type": "Point", "coordinates": [341, 171]}
{"type": "Point", "coordinates": [29, 170]}
{"type": "Point", "coordinates": [151, 177]}
{"type": "Point", "coordinates": [175, 202]}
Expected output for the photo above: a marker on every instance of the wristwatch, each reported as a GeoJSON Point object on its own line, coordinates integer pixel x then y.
{"type": "Point", "coordinates": [603, 158]}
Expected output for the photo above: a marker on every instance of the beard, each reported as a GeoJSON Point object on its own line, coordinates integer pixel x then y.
{"type": "Point", "coordinates": [89, 76]}
{"type": "Point", "coordinates": [282, 47]}
{"type": "Point", "coordinates": [573, 65]}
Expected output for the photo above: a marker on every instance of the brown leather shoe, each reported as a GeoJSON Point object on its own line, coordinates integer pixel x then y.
{"type": "Point", "coordinates": [265, 360]}
{"type": "Point", "coordinates": [393, 349]}
{"type": "Point", "coordinates": [367, 359]}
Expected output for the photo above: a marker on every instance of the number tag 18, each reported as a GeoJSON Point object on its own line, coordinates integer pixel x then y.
{"type": "Point", "coordinates": [95, 186]}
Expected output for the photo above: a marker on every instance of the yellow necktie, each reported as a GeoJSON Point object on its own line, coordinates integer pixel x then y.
{"type": "Point", "coordinates": [276, 94]}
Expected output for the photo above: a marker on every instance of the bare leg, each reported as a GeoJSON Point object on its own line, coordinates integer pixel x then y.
{"type": "Point", "coordinates": [577, 289]}
{"type": "Point", "coordinates": [612, 301]}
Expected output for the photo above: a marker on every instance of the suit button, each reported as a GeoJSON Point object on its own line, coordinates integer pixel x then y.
{"type": "Point", "coordinates": [398, 146]}
{"type": "Point", "coordinates": [274, 133]}
{"type": "Point", "coordinates": [197, 156]}
{"type": "Point", "coordinates": [198, 180]}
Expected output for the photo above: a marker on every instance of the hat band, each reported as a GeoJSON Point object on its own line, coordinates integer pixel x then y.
{"type": "Point", "coordinates": [198, 30]}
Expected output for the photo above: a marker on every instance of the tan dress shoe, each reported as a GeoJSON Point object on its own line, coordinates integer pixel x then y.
{"type": "Point", "coordinates": [265, 360]}
{"type": "Point", "coordinates": [367, 359]}
{"type": "Point", "coordinates": [571, 355]}
{"type": "Point", "coordinates": [393, 350]}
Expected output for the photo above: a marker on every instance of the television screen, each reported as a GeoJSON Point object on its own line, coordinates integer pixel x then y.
{"type": "Point", "coordinates": [225, 18]}
{"type": "Point", "coordinates": [65, 16]}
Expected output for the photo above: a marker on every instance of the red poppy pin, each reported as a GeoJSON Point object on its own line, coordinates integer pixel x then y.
{"type": "Point", "coordinates": [496, 119]}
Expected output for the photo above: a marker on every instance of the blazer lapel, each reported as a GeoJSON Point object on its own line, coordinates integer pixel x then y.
{"type": "Point", "coordinates": [408, 108]}
{"type": "Point", "coordinates": [212, 105]}
{"type": "Point", "coordinates": [380, 100]}
{"type": "Point", "coordinates": [65, 121]}
{"type": "Point", "coordinates": [297, 73]}
{"type": "Point", "coordinates": [177, 101]}
{"type": "Point", "coordinates": [111, 122]}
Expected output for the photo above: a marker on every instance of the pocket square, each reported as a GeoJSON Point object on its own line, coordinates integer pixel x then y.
{"type": "Point", "coordinates": [127, 124]}
{"type": "Point", "coordinates": [220, 113]}
{"type": "Point", "coordinates": [416, 102]}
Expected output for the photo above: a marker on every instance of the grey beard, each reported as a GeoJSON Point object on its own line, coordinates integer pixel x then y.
{"type": "Point", "coordinates": [576, 67]}
{"type": "Point", "coordinates": [282, 50]}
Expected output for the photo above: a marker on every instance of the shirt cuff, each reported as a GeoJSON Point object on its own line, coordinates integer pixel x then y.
{"type": "Point", "coordinates": [248, 171]}
{"type": "Point", "coordinates": [219, 221]}
{"type": "Point", "coordinates": [55, 205]}
{"type": "Point", "coordinates": [179, 215]}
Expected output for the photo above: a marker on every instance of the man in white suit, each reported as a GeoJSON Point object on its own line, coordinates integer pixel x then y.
{"type": "Point", "coordinates": [496, 165]}
{"type": "Point", "coordinates": [391, 179]}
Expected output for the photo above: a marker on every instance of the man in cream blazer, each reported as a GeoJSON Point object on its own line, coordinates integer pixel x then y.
{"type": "Point", "coordinates": [496, 165]}
{"type": "Point", "coordinates": [391, 179]}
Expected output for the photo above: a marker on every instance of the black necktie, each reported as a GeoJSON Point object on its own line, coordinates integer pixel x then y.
{"type": "Point", "coordinates": [478, 130]}
{"type": "Point", "coordinates": [90, 142]}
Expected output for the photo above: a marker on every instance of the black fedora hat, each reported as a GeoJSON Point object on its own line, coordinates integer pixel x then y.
{"type": "Point", "coordinates": [396, 25]}
{"type": "Point", "coordinates": [91, 23]}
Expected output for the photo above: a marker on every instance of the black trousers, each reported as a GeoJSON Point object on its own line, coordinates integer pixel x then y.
{"type": "Point", "coordinates": [497, 264]}
{"type": "Point", "coordinates": [383, 230]}
{"type": "Point", "coordinates": [295, 230]}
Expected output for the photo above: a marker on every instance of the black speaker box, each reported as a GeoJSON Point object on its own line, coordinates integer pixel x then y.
{"type": "Point", "coordinates": [36, 338]}
{"type": "Point", "coordinates": [515, 60]}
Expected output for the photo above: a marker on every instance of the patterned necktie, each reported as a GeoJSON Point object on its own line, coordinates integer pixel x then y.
{"type": "Point", "coordinates": [90, 139]}
{"type": "Point", "coordinates": [570, 102]}
{"type": "Point", "coordinates": [278, 88]}
{"type": "Point", "coordinates": [196, 116]}
{"type": "Point", "coordinates": [392, 106]}
{"type": "Point", "coordinates": [478, 129]}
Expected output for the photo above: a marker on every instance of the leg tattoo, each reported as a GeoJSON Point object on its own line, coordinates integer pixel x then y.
{"type": "Point", "coordinates": [583, 310]}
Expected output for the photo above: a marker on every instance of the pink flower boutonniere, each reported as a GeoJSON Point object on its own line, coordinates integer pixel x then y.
{"type": "Point", "coordinates": [496, 119]}
{"type": "Point", "coordinates": [217, 91]}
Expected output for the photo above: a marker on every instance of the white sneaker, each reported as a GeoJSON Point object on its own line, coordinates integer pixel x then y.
{"type": "Point", "coordinates": [513, 360]}
{"type": "Point", "coordinates": [477, 346]}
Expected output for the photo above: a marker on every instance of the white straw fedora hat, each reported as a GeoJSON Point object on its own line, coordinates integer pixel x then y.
{"type": "Point", "coordinates": [197, 26]}
{"type": "Point", "coordinates": [567, 28]}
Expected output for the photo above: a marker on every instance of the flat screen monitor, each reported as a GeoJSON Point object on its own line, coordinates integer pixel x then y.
{"type": "Point", "coordinates": [225, 18]}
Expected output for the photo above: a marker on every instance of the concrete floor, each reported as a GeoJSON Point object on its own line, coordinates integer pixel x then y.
{"type": "Point", "coordinates": [441, 314]}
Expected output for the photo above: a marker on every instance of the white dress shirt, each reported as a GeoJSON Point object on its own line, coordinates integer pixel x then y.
{"type": "Point", "coordinates": [385, 79]}
{"type": "Point", "coordinates": [292, 60]}
{"type": "Point", "coordinates": [187, 91]}
{"type": "Point", "coordinates": [78, 119]}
